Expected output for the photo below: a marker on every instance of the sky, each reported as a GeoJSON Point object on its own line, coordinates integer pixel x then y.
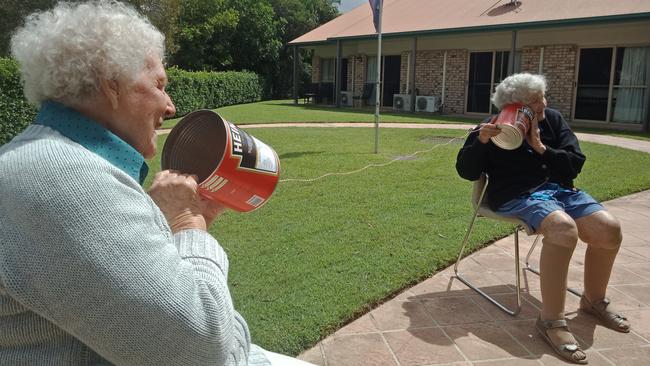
{"type": "Point", "coordinates": [347, 5]}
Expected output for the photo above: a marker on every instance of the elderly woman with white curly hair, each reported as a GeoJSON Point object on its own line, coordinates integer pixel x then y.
{"type": "Point", "coordinates": [535, 184]}
{"type": "Point", "coordinates": [94, 270]}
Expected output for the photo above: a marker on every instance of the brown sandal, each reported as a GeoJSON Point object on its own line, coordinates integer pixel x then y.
{"type": "Point", "coordinates": [609, 319]}
{"type": "Point", "coordinates": [568, 351]}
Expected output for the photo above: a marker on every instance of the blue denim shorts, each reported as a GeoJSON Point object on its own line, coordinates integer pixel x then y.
{"type": "Point", "coordinates": [534, 206]}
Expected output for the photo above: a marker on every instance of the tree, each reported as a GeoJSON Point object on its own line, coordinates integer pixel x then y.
{"type": "Point", "coordinates": [13, 13]}
{"type": "Point", "coordinates": [163, 14]}
{"type": "Point", "coordinates": [298, 17]}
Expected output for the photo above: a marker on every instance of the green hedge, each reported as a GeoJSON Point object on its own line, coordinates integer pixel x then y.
{"type": "Point", "coordinates": [197, 90]}
{"type": "Point", "coordinates": [15, 112]}
{"type": "Point", "coordinates": [188, 90]}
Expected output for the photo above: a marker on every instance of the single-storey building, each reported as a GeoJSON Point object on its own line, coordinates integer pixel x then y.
{"type": "Point", "coordinates": [447, 56]}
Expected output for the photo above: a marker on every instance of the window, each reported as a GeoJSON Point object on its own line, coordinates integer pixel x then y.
{"type": "Point", "coordinates": [370, 93]}
{"type": "Point", "coordinates": [486, 71]}
{"type": "Point", "coordinates": [613, 84]}
{"type": "Point", "coordinates": [327, 69]}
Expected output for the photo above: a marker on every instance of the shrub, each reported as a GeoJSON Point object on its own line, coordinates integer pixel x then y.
{"type": "Point", "coordinates": [199, 90]}
{"type": "Point", "coordinates": [15, 112]}
{"type": "Point", "coordinates": [188, 90]}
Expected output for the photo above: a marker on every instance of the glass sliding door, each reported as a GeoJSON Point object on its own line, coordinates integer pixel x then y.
{"type": "Point", "coordinates": [479, 81]}
{"type": "Point", "coordinates": [593, 83]}
{"type": "Point", "coordinates": [370, 88]}
{"type": "Point", "coordinates": [500, 73]}
{"type": "Point", "coordinates": [613, 84]}
{"type": "Point", "coordinates": [630, 89]}
{"type": "Point", "coordinates": [486, 70]}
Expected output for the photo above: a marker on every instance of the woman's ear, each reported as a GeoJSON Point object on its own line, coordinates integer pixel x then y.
{"type": "Point", "coordinates": [110, 90]}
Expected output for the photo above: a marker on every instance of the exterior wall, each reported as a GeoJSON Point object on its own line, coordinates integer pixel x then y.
{"type": "Point", "coordinates": [560, 44]}
{"type": "Point", "coordinates": [455, 83]}
{"type": "Point", "coordinates": [559, 67]}
{"type": "Point", "coordinates": [315, 69]}
{"type": "Point", "coordinates": [428, 76]}
{"type": "Point", "coordinates": [360, 66]}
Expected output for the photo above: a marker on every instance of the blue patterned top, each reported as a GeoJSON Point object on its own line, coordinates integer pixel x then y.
{"type": "Point", "coordinates": [93, 137]}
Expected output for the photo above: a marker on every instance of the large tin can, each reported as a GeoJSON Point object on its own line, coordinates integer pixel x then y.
{"type": "Point", "coordinates": [233, 167]}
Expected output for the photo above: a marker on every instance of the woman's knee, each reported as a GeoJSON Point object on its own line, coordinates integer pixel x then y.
{"type": "Point", "coordinates": [560, 229]}
{"type": "Point", "coordinates": [600, 229]}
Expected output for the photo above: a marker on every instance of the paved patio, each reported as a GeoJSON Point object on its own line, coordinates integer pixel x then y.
{"type": "Point", "coordinates": [442, 322]}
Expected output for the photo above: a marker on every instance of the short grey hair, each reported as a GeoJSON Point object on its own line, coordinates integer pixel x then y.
{"type": "Point", "coordinates": [518, 88]}
{"type": "Point", "coordinates": [64, 52]}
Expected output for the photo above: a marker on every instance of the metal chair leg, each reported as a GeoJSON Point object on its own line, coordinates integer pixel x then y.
{"type": "Point", "coordinates": [479, 291]}
{"type": "Point", "coordinates": [536, 271]}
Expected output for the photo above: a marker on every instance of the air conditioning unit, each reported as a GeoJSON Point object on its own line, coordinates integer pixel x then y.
{"type": "Point", "coordinates": [346, 98]}
{"type": "Point", "coordinates": [402, 102]}
{"type": "Point", "coordinates": [425, 103]}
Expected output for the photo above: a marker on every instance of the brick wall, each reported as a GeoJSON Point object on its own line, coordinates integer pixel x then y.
{"type": "Point", "coordinates": [360, 66]}
{"type": "Point", "coordinates": [428, 76]}
{"type": "Point", "coordinates": [559, 69]}
{"type": "Point", "coordinates": [455, 84]}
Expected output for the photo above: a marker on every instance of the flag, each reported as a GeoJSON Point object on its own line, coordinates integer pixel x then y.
{"type": "Point", "coordinates": [375, 5]}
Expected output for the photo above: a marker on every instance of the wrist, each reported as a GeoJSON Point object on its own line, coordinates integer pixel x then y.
{"type": "Point", "coordinates": [187, 220]}
{"type": "Point", "coordinates": [540, 149]}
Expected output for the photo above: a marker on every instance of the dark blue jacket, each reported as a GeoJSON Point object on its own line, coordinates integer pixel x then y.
{"type": "Point", "coordinates": [513, 172]}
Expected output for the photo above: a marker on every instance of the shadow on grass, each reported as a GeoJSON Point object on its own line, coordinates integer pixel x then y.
{"type": "Point", "coordinates": [298, 154]}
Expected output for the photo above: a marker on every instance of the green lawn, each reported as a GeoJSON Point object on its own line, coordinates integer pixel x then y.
{"type": "Point", "coordinates": [320, 254]}
{"type": "Point", "coordinates": [275, 111]}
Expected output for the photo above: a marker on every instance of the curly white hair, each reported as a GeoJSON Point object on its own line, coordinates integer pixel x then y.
{"type": "Point", "coordinates": [64, 52]}
{"type": "Point", "coordinates": [518, 88]}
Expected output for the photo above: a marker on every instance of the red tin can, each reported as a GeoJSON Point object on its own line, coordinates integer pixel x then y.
{"type": "Point", "coordinates": [514, 120]}
{"type": "Point", "coordinates": [233, 167]}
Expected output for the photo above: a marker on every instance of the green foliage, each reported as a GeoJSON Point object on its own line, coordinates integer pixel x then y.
{"type": "Point", "coordinates": [220, 35]}
{"type": "Point", "coordinates": [199, 90]}
{"type": "Point", "coordinates": [15, 112]}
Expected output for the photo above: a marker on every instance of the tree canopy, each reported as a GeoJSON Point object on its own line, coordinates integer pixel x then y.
{"type": "Point", "coordinates": [216, 35]}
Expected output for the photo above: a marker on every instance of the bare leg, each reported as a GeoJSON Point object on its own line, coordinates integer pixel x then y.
{"type": "Point", "coordinates": [560, 238]}
{"type": "Point", "coordinates": [602, 232]}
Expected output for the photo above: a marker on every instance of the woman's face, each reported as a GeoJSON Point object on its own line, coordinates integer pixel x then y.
{"type": "Point", "coordinates": [143, 105]}
{"type": "Point", "coordinates": [538, 103]}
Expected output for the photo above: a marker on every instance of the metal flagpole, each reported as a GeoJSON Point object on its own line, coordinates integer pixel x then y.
{"type": "Point", "coordinates": [378, 88]}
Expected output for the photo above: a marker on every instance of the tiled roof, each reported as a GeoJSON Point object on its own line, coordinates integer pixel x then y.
{"type": "Point", "coordinates": [428, 16]}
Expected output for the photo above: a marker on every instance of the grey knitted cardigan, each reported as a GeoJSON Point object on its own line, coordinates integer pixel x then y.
{"type": "Point", "coordinates": [90, 273]}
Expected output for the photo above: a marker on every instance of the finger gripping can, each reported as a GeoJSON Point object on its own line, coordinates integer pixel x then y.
{"type": "Point", "coordinates": [514, 121]}
{"type": "Point", "coordinates": [233, 167]}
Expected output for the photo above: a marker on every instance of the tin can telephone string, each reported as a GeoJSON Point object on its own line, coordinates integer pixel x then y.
{"type": "Point", "coordinates": [374, 165]}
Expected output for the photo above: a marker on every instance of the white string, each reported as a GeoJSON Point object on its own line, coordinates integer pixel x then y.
{"type": "Point", "coordinates": [373, 165]}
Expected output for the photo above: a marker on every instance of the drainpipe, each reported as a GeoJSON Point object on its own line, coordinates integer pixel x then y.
{"type": "Point", "coordinates": [338, 74]}
{"type": "Point", "coordinates": [295, 74]}
{"type": "Point", "coordinates": [444, 79]}
{"type": "Point", "coordinates": [414, 51]}
{"type": "Point", "coordinates": [541, 60]}
{"type": "Point", "coordinates": [513, 51]}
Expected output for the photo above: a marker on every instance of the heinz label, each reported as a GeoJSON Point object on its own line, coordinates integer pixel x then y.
{"type": "Point", "coordinates": [253, 153]}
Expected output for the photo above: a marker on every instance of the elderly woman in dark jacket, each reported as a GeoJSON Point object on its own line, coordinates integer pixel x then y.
{"type": "Point", "coordinates": [534, 183]}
